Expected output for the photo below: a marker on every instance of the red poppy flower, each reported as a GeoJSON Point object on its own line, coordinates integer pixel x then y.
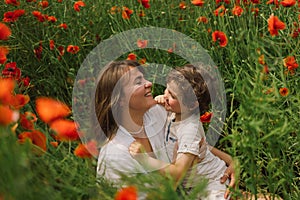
{"type": "Point", "coordinates": [237, 10]}
{"type": "Point", "coordinates": [202, 19]}
{"type": "Point", "coordinates": [274, 25]}
{"type": "Point", "coordinates": [198, 2]}
{"type": "Point", "coordinates": [44, 4]}
{"type": "Point", "coordinates": [51, 19]}
{"type": "Point", "coordinates": [78, 5]}
{"type": "Point", "coordinates": [3, 53]}
{"type": "Point", "coordinates": [39, 16]}
{"type": "Point", "coordinates": [182, 5]}
{"type": "Point", "coordinates": [142, 61]}
{"type": "Point", "coordinates": [63, 25]}
{"type": "Point", "coordinates": [35, 137]}
{"type": "Point", "coordinates": [126, 12]}
{"type": "Point", "coordinates": [51, 44]}
{"type": "Point", "coordinates": [288, 3]}
{"type": "Point", "coordinates": [11, 71]}
{"type": "Point", "coordinates": [273, 2]}
{"type": "Point", "coordinates": [27, 120]}
{"type": "Point", "coordinates": [225, 1]}
{"type": "Point", "coordinates": [66, 130]}
{"type": "Point", "coordinates": [12, 2]}
{"type": "Point", "coordinates": [38, 51]}
{"type": "Point", "coordinates": [220, 37]}
{"type": "Point", "coordinates": [19, 100]}
{"type": "Point", "coordinates": [54, 144]}
{"type": "Point", "coordinates": [290, 62]}
{"type": "Point", "coordinates": [86, 150]}
{"type": "Point", "coordinates": [61, 50]}
{"type": "Point", "coordinates": [283, 91]}
{"type": "Point", "coordinates": [49, 109]}
{"type": "Point", "coordinates": [73, 49]}
{"type": "Point", "coordinates": [25, 81]}
{"type": "Point", "coordinates": [5, 32]}
{"type": "Point", "coordinates": [12, 16]}
{"type": "Point", "coordinates": [6, 89]}
{"type": "Point", "coordinates": [7, 116]}
{"type": "Point", "coordinates": [220, 11]}
{"type": "Point", "coordinates": [142, 43]}
{"type": "Point", "coordinates": [261, 59]}
{"type": "Point", "coordinates": [128, 193]}
{"type": "Point", "coordinates": [131, 56]}
{"type": "Point", "coordinates": [145, 3]}
{"type": "Point", "coordinates": [206, 117]}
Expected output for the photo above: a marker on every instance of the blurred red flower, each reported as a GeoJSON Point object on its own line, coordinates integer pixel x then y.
{"type": "Point", "coordinates": [220, 37]}
{"type": "Point", "coordinates": [126, 12]}
{"type": "Point", "coordinates": [27, 120]}
{"type": "Point", "coordinates": [206, 117]}
{"type": "Point", "coordinates": [5, 32]}
{"type": "Point", "coordinates": [78, 5]}
{"type": "Point", "coordinates": [3, 53]}
{"type": "Point", "coordinates": [49, 109]}
{"type": "Point", "coordinates": [12, 2]}
{"type": "Point", "coordinates": [131, 56]}
{"type": "Point", "coordinates": [283, 91]}
{"type": "Point", "coordinates": [63, 25]}
{"type": "Point", "coordinates": [12, 16]}
{"type": "Point", "coordinates": [202, 19]}
{"type": "Point", "coordinates": [38, 50]}
{"type": "Point", "coordinates": [220, 11]}
{"type": "Point", "coordinates": [73, 49]}
{"type": "Point", "coordinates": [19, 100]}
{"type": "Point", "coordinates": [66, 130]}
{"type": "Point", "coordinates": [7, 86]}
{"type": "Point", "coordinates": [145, 3]}
{"type": "Point", "coordinates": [39, 16]}
{"type": "Point", "coordinates": [237, 10]}
{"type": "Point", "coordinates": [7, 116]}
{"type": "Point", "coordinates": [290, 62]}
{"type": "Point", "coordinates": [127, 193]}
{"type": "Point", "coordinates": [51, 44]}
{"type": "Point", "coordinates": [35, 137]}
{"type": "Point", "coordinates": [44, 4]}
{"type": "Point", "coordinates": [288, 3]}
{"type": "Point", "coordinates": [198, 2]}
{"type": "Point", "coordinates": [274, 24]}
{"type": "Point", "coordinates": [87, 150]}
{"type": "Point", "coordinates": [182, 5]}
{"type": "Point", "coordinates": [142, 43]}
{"type": "Point", "coordinates": [11, 71]}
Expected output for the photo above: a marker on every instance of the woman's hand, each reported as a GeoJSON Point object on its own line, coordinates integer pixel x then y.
{"type": "Point", "coordinates": [229, 174]}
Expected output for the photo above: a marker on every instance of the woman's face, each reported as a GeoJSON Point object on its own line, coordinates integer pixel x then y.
{"type": "Point", "coordinates": [137, 92]}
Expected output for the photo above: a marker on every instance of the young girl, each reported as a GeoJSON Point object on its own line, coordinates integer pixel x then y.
{"type": "Point", "coordinates": [187, 97]}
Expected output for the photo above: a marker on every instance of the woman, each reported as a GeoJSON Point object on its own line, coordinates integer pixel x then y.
{"type": "Point", "coordinates": [127, 112]}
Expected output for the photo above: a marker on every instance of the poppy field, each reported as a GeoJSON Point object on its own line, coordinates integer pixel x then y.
{"type": "Point", "coordinates": [254, 43]}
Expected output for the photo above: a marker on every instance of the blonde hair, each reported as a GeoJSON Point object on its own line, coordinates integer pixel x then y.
{"type": "Point", "coordinates": [107, 95]}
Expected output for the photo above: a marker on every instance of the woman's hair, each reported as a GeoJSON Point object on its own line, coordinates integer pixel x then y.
{"type": "Point", "coordinates": [192, 86]}
{"type": "Point", "coordinates": [108, 93]}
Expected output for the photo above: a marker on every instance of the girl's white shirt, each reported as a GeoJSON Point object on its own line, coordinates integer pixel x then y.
{"type": "Point", "coordinates": [114, 158]}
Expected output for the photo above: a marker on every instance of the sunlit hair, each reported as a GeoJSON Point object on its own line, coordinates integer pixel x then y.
{"type": "Point", "coordinates": [191, 86]}
{"type": "Point", "coordinates": [108, 94]}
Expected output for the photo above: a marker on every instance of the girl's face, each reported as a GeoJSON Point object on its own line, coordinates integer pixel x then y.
{"type": "Point", "coordinates": [173, 97]}
{"type": "Point", "coordinates": [137, 94]}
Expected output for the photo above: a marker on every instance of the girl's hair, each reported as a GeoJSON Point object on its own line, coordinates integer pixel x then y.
{"type": "Point", "coordinates": [191, 86]}
{"type": "Point", "coordinates": [108, 93]}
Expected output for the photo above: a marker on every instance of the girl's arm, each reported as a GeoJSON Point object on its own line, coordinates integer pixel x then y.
{"type": "Point", "coordinates": [176, 170]}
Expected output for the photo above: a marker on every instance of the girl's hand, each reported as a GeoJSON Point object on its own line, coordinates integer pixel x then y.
{"type": "Point", "coordinates": [160, 99]}
{"type": "Point", "coordinates": [135, 149]}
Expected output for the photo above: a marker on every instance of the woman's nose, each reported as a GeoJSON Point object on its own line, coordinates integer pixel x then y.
{"type": "Point", "coordinates": [147, 84]}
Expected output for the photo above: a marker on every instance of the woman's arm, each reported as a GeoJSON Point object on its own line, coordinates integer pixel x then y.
{"type": "Point", "coordinates": [229, 172]}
